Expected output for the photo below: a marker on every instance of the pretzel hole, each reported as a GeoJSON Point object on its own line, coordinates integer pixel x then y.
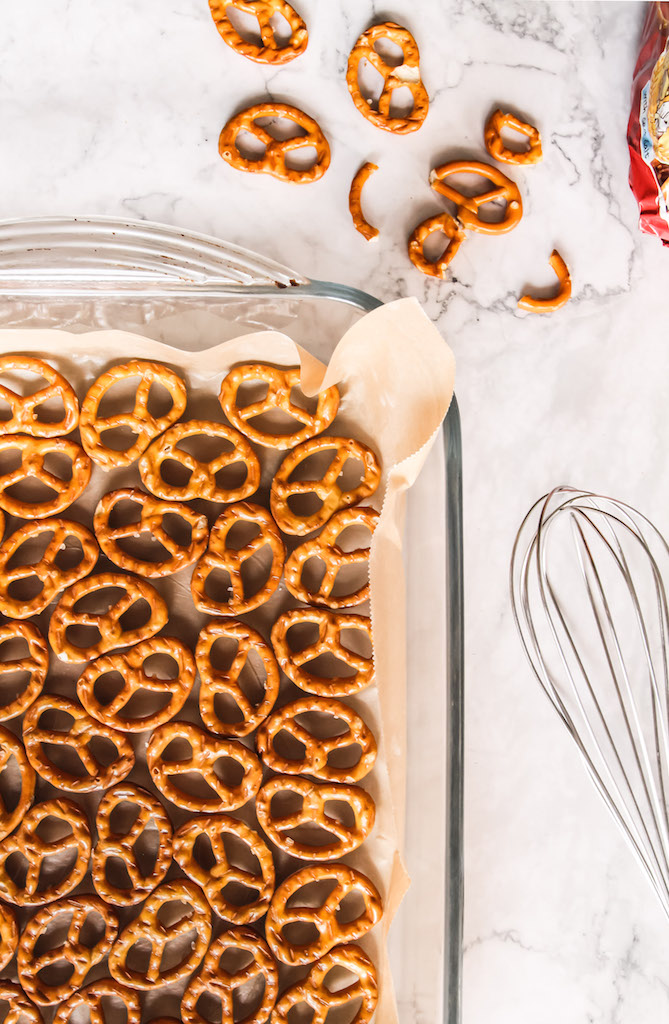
{"type": "Point", "coordinates": [357, 641]}
{"type": "Point", "coordinates": [64, 758]}
{"type": "Point", "coordinates": [300, 933]}
{"type": "Point", "coordinates": [175, 473]}
{"type": "Point", "coordinates": [118, 439]}
{"type": "Point", "coordinates": [514, 139]}
{"type": "Point", "coordinates": [99, 601]}
{"type": "Point", "coordinates": [322, 724]}
{"type": "Point", "coordinates": [401, 102]}
{"type": "Point", "coordinates": [241, 856]}
{"type": "Point", "coordinates": [281, 128]}
{"type": "Point", "coordinates": [302, 158]}
{"type": "Point", "coordinates": [435, 245]}
{"type": "Point", "coordinates": [56, 868]}
{"type": "Point", "coordinates": [103, 750]}
{"type": "Point", "coordinates": [147, 849]}
{"type": "Point", "coordinates": [11, 784]}
{"type": "Point", "coordinates": [341, 812]}
{"type": "Point", "coordinates": [232, 476]}
{"type": "Point", "coordinates": [117, 875]}
{"type": "Point", "coordinates": [246, 25]}
{"type": "Point", "coordinates": [205, 447]}
{"type": "Point", "coordinates": [31, 491]}
{"type": "Point", "coordinates": [56, 974]}
{"type": "Point", "coordinates": [370, 82]}
{"type": "Point", "coordinates": [82, 637]}
{"type": "Point", "coordinates": [25, 589]}
{"type": "Point", "coordinates": [193, 784]}
{"type": "Point", "coordinates": [328, 666]}
{"type": "Point", "coordinates": [13, 684]}
{"type": "Point", "coordinates": [252, 678]}
{"type": "Point", "coordinates": [304, 505]}
{"type": "Point", "coordinates": [137, 616]}
{"type": "Point", "coordinates": [111, 1005]}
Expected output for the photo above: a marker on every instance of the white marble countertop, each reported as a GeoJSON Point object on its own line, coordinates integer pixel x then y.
{"type": "Point", "coordinates": [117, 110]}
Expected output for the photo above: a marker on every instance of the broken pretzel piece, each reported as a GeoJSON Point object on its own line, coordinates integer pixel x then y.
{"type": "Point", "coordinates": [355, 202]}
{"type": "Point", "coordinates": [562, 295]}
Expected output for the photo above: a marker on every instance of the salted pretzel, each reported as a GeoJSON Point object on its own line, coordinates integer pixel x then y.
{"type": "Point", "coordinates": [109, 623]}
{"type": "Point", "coordinates": [130, 666]}
{"type": "Point", "coordinates": [327, 550]}
{"type": "Point", "coordinates": [202, 482]}
{"type": "Point", "coordinates": [468, 207]}
{"type": "Point", "coordinates": [360, 223]}
{"type": "Point", "coordinates": [147, 926]}
{"type": "Point", "coordinates": [13, 756]}
{"type": "Point", "coordinates": [330, 625]}
{"type": "Point", "coordinates": [220, 557]}
{"type": "Point", "coordinates": [79, 735]}
{"type": "Point", "coordinates": [206, 750]}
{"type": "Point", "coordinates": [314, 992]}
{"type": "Point", "coordinates": [496, 123]}
{"type": "Point", "coordinates": [315, 797]}
{"type": "Point", "coordinates": [214, 981]}
{"type": "Point", "coordinates": [406, 75]}
{"type": "Point", "coordinates": [140, 421]}
{"type": "Point", "coordinates": [562, 295]}
{"type": "Point", "coordinates": [91, 997]}
{"type": "Point", "coordinates": [453, 231]}
{"type": "Point", "coordinates": [32, 666]}
{"type": "Point", "coordinates": [214, 880]}
{"type": "Point", "coordinates": [121, 845]}
{"type": "Point", "coordinates": [317, 749]}
{"type": "Point", "coordinates": [226, 683]}
{"type": "Point", "coordinates": [9, 936]}
{"type": "Point", "coordinates": [280, 385]}
{"type": "Point", "coordinates": [24, 409]}
{"type": "Point", "coordinates": [275, 159]}
{"type": "Point", "coordinates": [79, 955]}
{"type": "Point", "coordinates": [33, 454]}
{"type": "Point", "coordinates": [37, 852]}
{"type": "Point", "coordinates": [20, 1009]}
{"type": "Point", "coordinates": [325, 487]}
{"type": "Point", "coordinates": [150, 520]}
{"type": "Point", "coordinates": [270, 50]}
{"type": "Point", "coordinates": [46, 570]}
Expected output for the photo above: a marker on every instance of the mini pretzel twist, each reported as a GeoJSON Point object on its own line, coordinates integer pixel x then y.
{"type": "Point", "coordinates": [274, 160]}
{"type": "Point", "coordinates": [313, 991]}
{"type": "Point", "coordinates": [147, 926]}
{"type": "Point", "coordinates": [214, 981]}
{"type": "Point", "coordinates": [79, 956]}
{"type": "Point", "coordinates": [20, 1010]}
{"type": "Point", "coordinates": [495, 124]}
{"type": "Point", "coordinates": [152, 512]}
{"type": "Point", "coordinates": [130, 665]}
{"type": "Point", "coordinates": [317, 748]}
{"type": "Point", "coordinates": [37, 851]}
{"type": "Point", "coordinates": [121, 845]}
{"type": "Point", "coordinates": [9, 939]}
{"type": "Point", "coordinates": [322, 917]}
{"type": "Point", "coordinates": [330, 625]}
{"type": "Point", "coordinates": [35, 663]}
{"type": "Point", "coordinates": [280, 385]}
{"type": "Point", "coordinates": [270, 50]}
{"type": "Point", "coordinates": [468, 207]}
{"type": "Point", "coordinates": [109, 625]}
{"type": "Point", "coordinates": [325, 487]}
{"type": "Point", "coordinates": [11, 747]}
{"type": "Point", "coordinates": [221, 557]}
{"type": "Point", "coordinates": [214, 681]}
{"type": "Point", "coordinates": [206, 750]}
{"type": "Point", "coordinates": [91, 997]}
{"type": "Point", "coordinates": [202, 482]}
{"type": "Point", "coordinates": [450, 227]}
{"type": "Point", "coordinates": [562, 295]}
{"type": "Point", "coordinates": [406, 75]}
{"type": "Point", "coordinates": [215, 880]}
{"type": "Point", "coordinates": [140, 421]}
{"type": "Point", "coordinates": [24, 409]}
{"type": "Point", "coordinates": [46, 570]}
{"type": "Point", "coordinates": [33, 453]}
{"type": "Point", "coordinates": [79, 735]}
{"type": "Point", "coordinates": [326, 548]}
{"type": "Point", "coordinates": [313, 812]}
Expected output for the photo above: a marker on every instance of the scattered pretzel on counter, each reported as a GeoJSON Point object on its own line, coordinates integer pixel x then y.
{"type": "Point", "coordinates": [469, 207]}
{"type": "Point", "coordinates": [453, 231]}
{"type": "Point", "coordinates": [9, 940]}
{"type": "Point", "coordinates": [360, 223]}
{"type": "Point", "coordinates": [216, 982]}
{"type": "Point", "coordinates": [561, 297]}
{"type": "Point", "coordinates": [34, 664]}
{"type": "Point", "coordinates": [406, 75]}
{"type": "Point", "coordinates": [20, 1009]}
{"type": "Point", "coordinates": [315, 993]}
{"type": "Point", "coordinates": [271, 49]}
{"type": "Point", "coordinates": [329, 627]}
{"type": "Point", "coordinates": [91, 997]}
{"type": "Point", "coordinates": [25, 408]}
{"type": "Point", "coordinates": [13, 759]}
{"type": "Point", "coordinates": [35, 455]}
{"type": "Point", "coordinates": [496, 123]}
{"type": "Point", "coordinates": [276, 158]}
{"type": "Point", "coordinates": [327, 550]}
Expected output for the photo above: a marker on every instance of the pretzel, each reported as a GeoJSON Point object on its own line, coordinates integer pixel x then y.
{"type": "Point", "coordinates": [121, 845]}
{"type": "Point", "coordinates": [11, 747]}
{"type": "Point", "coordinates": [315, 797]}
{"type": "Point", "coordinates": [468, 207]}
{"type": "Point", "coordinates": [109, 623]}
{"type": "Point", "coordinates": [407, 75]}
{"type": "Point", "coordinates": [562, 295]}
{"type": "Point", "coordinates": [214, 880]}
{"type": "Point", "coordinates": [327, 550]}
{"type": "Point", "coordinates": [130, 666]}
{"type": "Point", "coordinates": [202, 482]}
{"type": "Point", "coordinates": [140, 421]}
{"type": "Point", "coordinates": [79, 735]}
{"type": "Point", "coordinates": [450, 227]}
{"type": "Point", "coordinates": [232, 561]}
{"type": "Point", "coordinates": [149, 927]}
{"type": "Point", "coordinates": [20, 1009]}
{"type": "Point", "coordinates": [206, 750]}
{"type": "Point", "coordinates": [224, 985]}
{"type": "Point", "coordinates": [274, 160]}
{"type": "Point", "coordinates": [270, 50]}
{"type": "Point", "coordinates": [80, 956]}
{"type": "Point", "coordinates": [37, 852]}
{"type": "Point", "coordinates": [46, 570]}
{"type": "Point", "coordinates": [9, 937]}
{"type": "Point", "coordinates": [495, 124]}
{"type": "Point", "coordinates": [33, 665]}
{"type": "Point", "coordinates": [91, 997]}
{"type": "Point", "coordinates": [332, 496]}
{"type": "Point", "coordinates": [313, 990]}
{"type": "Point", "coordinates": [214, 681]}
{"type": "Point", "coordinates": [280, 386]}
{"type": "Point", "coordinates": [317, 750]}
{"type": "Point", "coordinates": [355, 201]}
{"type": "Point", "coordinates": [24, 409]}
{"type": "Point", "coordinates": [151, 521]}
{"type": "Point", "coordinates": [33, 453]}
{"type": "Point", "coordinates": [330, 626]}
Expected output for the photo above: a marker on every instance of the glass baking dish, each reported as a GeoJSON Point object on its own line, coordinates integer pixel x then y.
{"type": "Point", "coordinates": [84, 274]}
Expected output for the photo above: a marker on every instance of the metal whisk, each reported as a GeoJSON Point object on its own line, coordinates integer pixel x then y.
{"type": "Point", "coordinates": [588, 591]}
